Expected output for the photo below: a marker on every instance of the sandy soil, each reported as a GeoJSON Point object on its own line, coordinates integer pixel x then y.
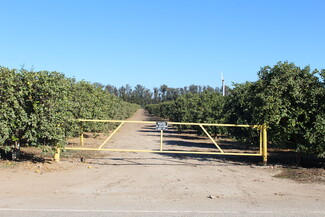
{"type": "Point", "coordinates": [158, 185]}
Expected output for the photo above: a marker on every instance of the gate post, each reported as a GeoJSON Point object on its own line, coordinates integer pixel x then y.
{"type": "Point", "coordinates": [264, 144]}
{"type": "Point", "coordinates": [57, 155]}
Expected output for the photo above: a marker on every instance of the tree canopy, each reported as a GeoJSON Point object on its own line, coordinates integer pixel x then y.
{"type": "Point", "coordinates": [289, 99]}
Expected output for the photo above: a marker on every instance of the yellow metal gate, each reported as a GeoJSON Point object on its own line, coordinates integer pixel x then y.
{"type": "Point", "coordinates": [261, 152]}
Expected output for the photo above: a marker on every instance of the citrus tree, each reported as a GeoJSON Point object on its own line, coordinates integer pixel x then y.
{"type": "Point", "coordinates": [41, 108]}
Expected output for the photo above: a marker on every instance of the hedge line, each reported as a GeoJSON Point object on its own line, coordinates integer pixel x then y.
{"type": "Point", "coordinates": [289, 99]}
{"type": "Point", "coordinates": [40, 108]}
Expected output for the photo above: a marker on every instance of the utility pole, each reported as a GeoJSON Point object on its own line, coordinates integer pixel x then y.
{"type": "Point", "coordinates": [223, 85]}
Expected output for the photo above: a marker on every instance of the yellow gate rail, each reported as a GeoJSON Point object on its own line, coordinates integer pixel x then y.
{"type": "Point", "coordinates": [262, 148]}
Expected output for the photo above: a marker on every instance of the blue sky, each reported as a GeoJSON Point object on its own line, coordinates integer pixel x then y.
{"type": "Point", "coordinates": [155, 42]}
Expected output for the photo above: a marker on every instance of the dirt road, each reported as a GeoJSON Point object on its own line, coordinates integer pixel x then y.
{"type": "Point", "coordinates": [147, 184]}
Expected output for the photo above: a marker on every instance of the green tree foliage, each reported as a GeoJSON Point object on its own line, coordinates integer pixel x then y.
{"type": "Point", "coordinates": [41, 108]}
{"type": "Point", "coordinates": [199, 107]}
{"type": "Point", "coordinates": [240, 107]}
{"type": "Point", "coordinates": [293, 106]}
{"type": "Point", "coordinates": [143, 96]}
{"type": "Point", "coordinates": [14, 118]}
{"type": "Point", "coordinates": [289, 99]}
{"type": "Point", "coordinates": [44, 101]}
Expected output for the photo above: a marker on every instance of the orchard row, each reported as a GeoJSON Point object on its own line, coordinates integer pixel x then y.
{"type": "Point", "coordinates": [289, 99]}
{"type": "Point", "coordinates": [41, 108]}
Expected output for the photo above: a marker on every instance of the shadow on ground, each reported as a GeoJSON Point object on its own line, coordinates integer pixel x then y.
{"type": "Point", "coordinates": [23, 156]}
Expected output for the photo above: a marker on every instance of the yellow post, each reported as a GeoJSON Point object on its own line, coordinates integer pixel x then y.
{"type": "Point", "coordinates": [161, 140]}
{"type": "Point", "coordinates": [82, 139]}
{"type": "Point", "coordinates": [264, 145]}
{"type": "Point", "coordinates": [57, 155]}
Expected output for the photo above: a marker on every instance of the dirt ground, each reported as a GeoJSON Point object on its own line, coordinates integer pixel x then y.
{"type": "Point", "coordinates": [149, 184]}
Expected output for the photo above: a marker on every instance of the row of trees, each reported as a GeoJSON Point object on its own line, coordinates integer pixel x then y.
{"type": "Point", "coordinates": [289, 99]}
{"type": "Point", "coordinates": [143, 96]}
{"type": "Point", "coordinates": [41, 108]}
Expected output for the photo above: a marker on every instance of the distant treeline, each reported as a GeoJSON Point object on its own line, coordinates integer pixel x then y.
{"type": "Point", "coordinates": [143, 96]}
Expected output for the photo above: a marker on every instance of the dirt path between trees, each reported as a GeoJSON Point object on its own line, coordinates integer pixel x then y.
{"type": "Point", "coordinates": [148, 184]}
